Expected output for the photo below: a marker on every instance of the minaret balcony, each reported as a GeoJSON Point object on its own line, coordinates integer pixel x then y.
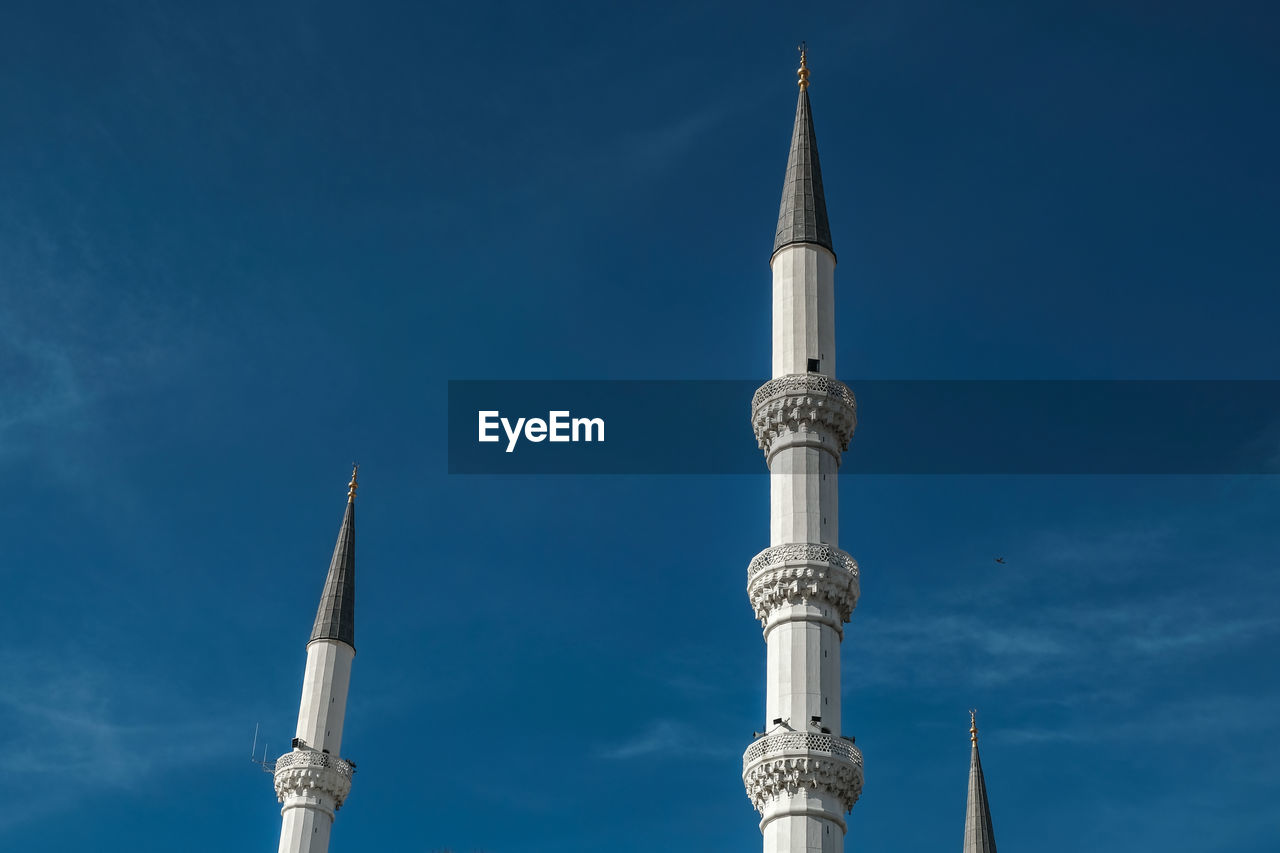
{"type": "Point", "coordinates": [805, 581]}
{"type": "Point", "coordinates": [783, 770]}
{"type": "Point", "coordinates": [313, 775]}
{"type": "Point", "coordinates": [804, 409]}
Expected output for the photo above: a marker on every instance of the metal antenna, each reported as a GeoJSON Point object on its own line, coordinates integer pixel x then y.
{"type": "Point", "coordinates": [267, 766]}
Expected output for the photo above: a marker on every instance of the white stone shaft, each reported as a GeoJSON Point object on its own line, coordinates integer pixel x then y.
{"type": "Point", "coordinates": [804, 324]}
{"type": "Point", "coordinates": [306, 824]}
{"type": "Point", "coordinates": [324, 694]}
{"type": "Point", "coordinates": [307, 816]}
{"type": "Point", "coordinates": [802, 642]}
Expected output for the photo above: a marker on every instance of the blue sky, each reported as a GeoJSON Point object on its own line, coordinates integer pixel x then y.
{"type": "Point", "coordinates": [244, 244]}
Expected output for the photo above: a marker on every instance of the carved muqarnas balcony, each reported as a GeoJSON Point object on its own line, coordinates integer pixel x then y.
{"type": "Point", "coordinates": [310, 773]}
{"type": "Point", "coordinates": [787, 764]}
{"type": "Point", "coordinates": [804, 408]}
{"type": "Point", "coordinates": [820, 576]}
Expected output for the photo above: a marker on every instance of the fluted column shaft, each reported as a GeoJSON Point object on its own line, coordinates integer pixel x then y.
{"type": "Point", "coordinates": [803, 588]}
{"type": "Point", "coordinates": [311, 780]}
{"type": "Point", "coordinates": [803, 653]}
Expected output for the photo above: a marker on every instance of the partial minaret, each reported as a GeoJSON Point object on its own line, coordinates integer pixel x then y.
{"type": "Point", "coordinates": [801, 775]}
{"type": "Point", "coordinates": [978, 836]}
{"type": "Point", "coordinates": [311, 780]}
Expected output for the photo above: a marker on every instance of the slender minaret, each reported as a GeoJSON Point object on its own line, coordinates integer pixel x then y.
{"type": "Point", "coordinates": [800, 774]}
{"type": "Point", "coordinates": [311, 780]}
{"type": "Point", "coordinates": [978, 835]}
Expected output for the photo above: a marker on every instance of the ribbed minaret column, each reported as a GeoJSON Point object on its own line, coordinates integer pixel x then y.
{"type": "Point", "coordinates": [801, 775]}
{"type": "Point", "coordinates": [311, 780]}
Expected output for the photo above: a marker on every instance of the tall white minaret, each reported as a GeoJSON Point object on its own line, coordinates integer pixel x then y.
{"type": "Point", "coordinates": [801, 775]}
{"type": "Point", "coordinates": [311, 780]}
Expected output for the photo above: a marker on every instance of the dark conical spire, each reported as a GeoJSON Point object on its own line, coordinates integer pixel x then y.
{"type": "Point", "coordinates": [336, 618]}
{"type": "Point", "coordinates": [802, 218]}
{"type": "Point", "coordinates": [978, 835]}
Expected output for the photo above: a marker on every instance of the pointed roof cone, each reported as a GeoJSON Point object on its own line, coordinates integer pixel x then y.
{"type": "Point", "coordinates": [978, 835]}
{"type": "Point", "coordinates": [336, 618]}
{"type": "Point", "coordinates": [802, 217]}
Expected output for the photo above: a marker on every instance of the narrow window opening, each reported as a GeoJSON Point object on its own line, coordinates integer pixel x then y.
{"type": "Point", "coordinates": [813, 365]}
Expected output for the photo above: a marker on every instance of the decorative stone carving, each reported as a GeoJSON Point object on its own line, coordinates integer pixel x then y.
{"type": "Point", "coordinates": [803, 574]}
{"type": "Point", "coordinates": [789, 763]}
{"type": "Point", "coordinates": [799, 403]}
{"type": "Point", "coordinates": [308, 773]}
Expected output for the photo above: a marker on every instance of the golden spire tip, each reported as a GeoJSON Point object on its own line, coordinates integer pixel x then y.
{"type": "Point", "coordinates": [973, 726]}
{"type": "Point", "coordinates": [353, 485]}
{"type": "Point", "coordinates": [803, 71]}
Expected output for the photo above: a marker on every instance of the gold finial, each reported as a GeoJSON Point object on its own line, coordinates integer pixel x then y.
{"type": "Point", "coordinates": [353, 485]}
{"type": "Point", "coordinates": [803, 70]}
{"type": "Point", "coordinates": [973, 726]}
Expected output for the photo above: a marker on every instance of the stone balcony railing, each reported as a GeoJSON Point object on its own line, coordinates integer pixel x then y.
{"type": "Point", "coordinates": [313, 778]}
{"type": "Point", "coordinates": [806, 407]}
{"type": "Point", "coordinates": [315, 758]}
{"type": "Point", "coordinates": [802, 552]}
{"type": "Point", "coordinates": [805, 574]}
{"type": "Point", "coordinates": [800, 743]}
{"type": "Point", "coordinates": [811, 383]}
{"type": "Point", "coordinates": [791, 764]}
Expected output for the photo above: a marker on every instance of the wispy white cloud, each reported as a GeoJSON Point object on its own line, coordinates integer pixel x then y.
{"type": "Point", "coordinates": [650, 151]}
{"type": "Point", "coordinates": [620, 162]}
{"type": "Point", "coordinates": [72, 338]}
{"type": "Point", "coordinates": [666, 738]}
{"type": "Point", "coordinates": [1188, 720]}
{"type": "Point", "coordinates": [1003, 645]}
{"type": "Point", "coordinates": [1107, 549]}
{"type": "Point", "coordinates": [1101, 606]}
{"type": "Point", "coordinates": [42, 384]}
{"type": "Point", "coordinates": [75, 725]}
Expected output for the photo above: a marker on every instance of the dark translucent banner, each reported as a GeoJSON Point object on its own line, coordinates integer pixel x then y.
{"type": "Point", "coordinates": [904, 427]}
